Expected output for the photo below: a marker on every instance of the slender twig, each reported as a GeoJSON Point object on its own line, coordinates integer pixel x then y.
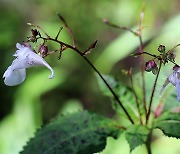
{"type": "Point", "coordinates": [60, 29]}
{"type": "Point", "coordinates": [144, 52]}
{"type": "Point", "coordinates": [68, 28]}
{"type": "Point", "coordinates": [119, 27]}
{"type": "Point", "coordinates": [135, 95]}
{"type": "Point", "coordinates": [152, 94]}
{"type": "Point", "coordinates": [173, 48]}
{"type": "Point", "coordinates": [172, 61]}
{"type": "Point", "coordinates": [94, 68]}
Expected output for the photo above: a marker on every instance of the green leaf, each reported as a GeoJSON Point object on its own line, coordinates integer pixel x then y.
{"type": "Point", "coordinates": [136, 135]}
{"type": "Point", "coordinates": [124, 93]}
{"type": "Point", "coordinates": [169, 123]}
{"type": "Point", "coordinates": [81, 132]}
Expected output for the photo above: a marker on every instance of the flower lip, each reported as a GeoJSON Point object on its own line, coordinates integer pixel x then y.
{"type": "Point", "coordinates": [174, 79]}
{"type": "Point", "coordinates": [25, 58]}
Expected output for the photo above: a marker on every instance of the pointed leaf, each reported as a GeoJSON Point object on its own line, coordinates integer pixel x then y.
{"type": "Point", "coordinates": [136, 135]}
{"type": "Point", "coordinates": [77, 133]}
{"type": "Point", "coordinates": [169, 123]}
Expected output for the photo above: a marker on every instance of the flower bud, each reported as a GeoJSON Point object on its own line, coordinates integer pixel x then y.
{"type": "Point", "coordinates": [43, 49]}
{"type": "Point", "coordinates": [161, 48]}
{"type": "Point", "coordinates": [150, 65]}
{"type": "Point", "coordinates": [35, 32]}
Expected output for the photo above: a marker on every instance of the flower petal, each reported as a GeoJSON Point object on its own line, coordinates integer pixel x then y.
{"type": "Point", "coordinates": [14, 77]}
{"type": "Point", "coordinates": [173, 78]}
{"type": "Point", "coordinates": [178, 91]}
{"type": "Point", "coordinates": [19, 46]}
{"type": "Point", "coordinates": [27, 58]}
{"type": "Point", "coordinates": [164, 86]}
{"type": "Point", "coordinates": [32, 59]}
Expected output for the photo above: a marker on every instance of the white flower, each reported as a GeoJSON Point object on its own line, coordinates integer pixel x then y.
{"type": "Point", "coordinates": [174, 79]}
{"type": "Point", "coordinates": [25, 58]}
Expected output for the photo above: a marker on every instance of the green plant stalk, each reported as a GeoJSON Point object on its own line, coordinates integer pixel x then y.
{"type": "Point", "coordinates": [148, 143]}
{"type": "Point", "coordinates": [152, 94]}
{"type": "Point", "coordinates": [94, 68]}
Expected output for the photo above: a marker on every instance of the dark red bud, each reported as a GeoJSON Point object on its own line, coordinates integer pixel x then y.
{"type": "Point", "coordinates": [150, 65]}
{"type": "Point", "coordinates": [35, 32]}
{"type": "Point", "coordinates": [43, 49]}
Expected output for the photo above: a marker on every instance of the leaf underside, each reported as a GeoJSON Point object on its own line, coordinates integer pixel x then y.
{"type": "Point", "coordinates": [78, 133]}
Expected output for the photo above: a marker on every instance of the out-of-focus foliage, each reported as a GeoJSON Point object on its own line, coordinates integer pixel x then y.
{"type": "Point", "coordinates": [37, 100]}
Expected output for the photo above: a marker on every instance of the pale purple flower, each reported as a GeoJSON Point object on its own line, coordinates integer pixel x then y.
{"type": "Point", "coordinates": [174, 79]}
{"type": "Point", "coordinates": [25, 58]}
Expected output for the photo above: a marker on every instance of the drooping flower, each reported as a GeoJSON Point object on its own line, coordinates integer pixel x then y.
{"type": "Point", "coordinates": [25, 58]}
{"type": "Point", "coordinates": [174, 79]}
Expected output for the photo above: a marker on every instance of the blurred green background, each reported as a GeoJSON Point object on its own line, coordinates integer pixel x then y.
{"type": "Point", "coordinates": [26, 107]}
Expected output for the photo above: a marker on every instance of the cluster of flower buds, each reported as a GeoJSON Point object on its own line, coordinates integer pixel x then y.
{"type": "Point", "coordinates": [33, 38]}
{"type": "Point", "coordinates": [151, 66]}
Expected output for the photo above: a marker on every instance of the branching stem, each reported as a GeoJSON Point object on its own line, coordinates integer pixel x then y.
{"type": "Point", "coordinates": [94, 68]}
{"type": "Point", "coordinates": [152, 94]}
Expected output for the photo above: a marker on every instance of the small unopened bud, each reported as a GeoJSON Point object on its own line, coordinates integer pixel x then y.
{"type": "Point", "coordinates": [150, 65]}
{"type": "Point", "coordinates": [161, 48]}
{"type": "Point", "coordinates": [43, 50]}
{"type": "Point", "coordinates": [35, 32]}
